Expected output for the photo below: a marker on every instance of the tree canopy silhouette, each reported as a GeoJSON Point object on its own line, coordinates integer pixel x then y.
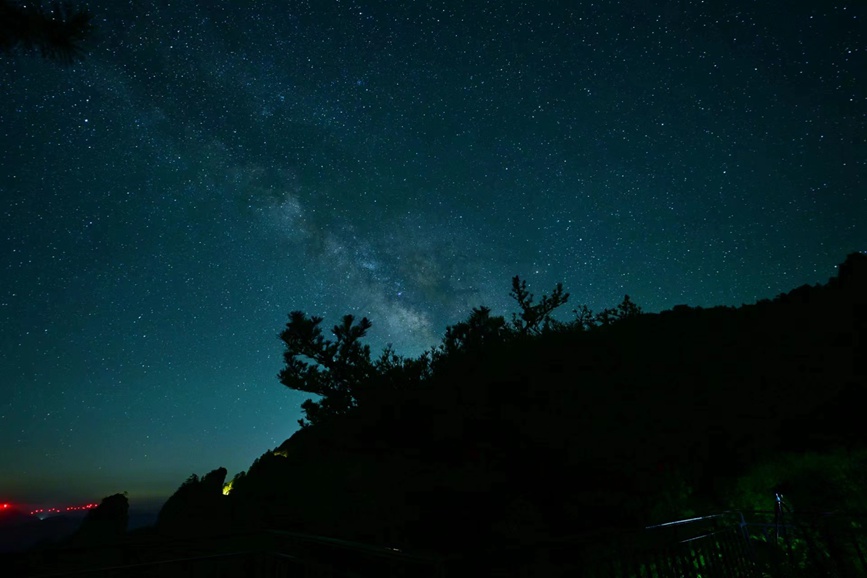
{"type": "Point", "coordinates": [343, 375]}
{"type": "Point", "coordinates": [480, 330]}
{"type": "Point", "coordinates": [626, 309]}
{"type": "Point", "coordinates": [55, 31]}
{"type": "Point", "coordinates": [334, 370]}
{"type": "Point", "coordinates": [535, 318]}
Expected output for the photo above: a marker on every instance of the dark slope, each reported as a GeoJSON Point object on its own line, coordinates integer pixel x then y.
{"type": "Point", "coordinates": [579, 429]}
{"type": "Point", "coordinates": [19, 530]}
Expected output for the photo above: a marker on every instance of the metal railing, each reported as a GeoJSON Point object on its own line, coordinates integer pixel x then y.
{"type": "Point", "coordinates": [725, 545]}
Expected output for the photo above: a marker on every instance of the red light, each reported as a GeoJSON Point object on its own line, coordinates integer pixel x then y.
{"type": "Point", "coordinates": [54, 510]}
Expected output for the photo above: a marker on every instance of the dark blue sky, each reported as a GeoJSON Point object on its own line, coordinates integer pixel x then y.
{"type": "Point", "coordinates": [212, 166]}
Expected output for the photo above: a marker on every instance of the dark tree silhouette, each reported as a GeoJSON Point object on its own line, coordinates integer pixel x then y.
{"type": "Point", "coordinates": [395, 372]}
{"type": "Point", "coordinates": [535, 318]}
{"type": "Point", "coordinates": [335, 370]}
{"type": "Point", "coordinates": [627, 308]}
{"type": "Point", "coordinates": [56, 32]}
{"type": "Point", "coordinates": [584, 318]}
{"type": "Point", "coordinates": [343, 375]}
{"type": "Point", "coordinates": [481, 329]}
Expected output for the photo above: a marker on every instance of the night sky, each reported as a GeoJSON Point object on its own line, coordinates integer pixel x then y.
{"type": "Point", "coordinates": [210, 167]}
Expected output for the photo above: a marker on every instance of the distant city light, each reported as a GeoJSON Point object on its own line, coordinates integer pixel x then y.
{"type": "Point", "coordinates": [44, 511]}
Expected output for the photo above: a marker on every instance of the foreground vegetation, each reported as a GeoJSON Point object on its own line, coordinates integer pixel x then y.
{"type": "Point", "coordinates": [522, 429]}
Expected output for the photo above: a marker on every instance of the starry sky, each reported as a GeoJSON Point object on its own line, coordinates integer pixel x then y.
{"type": "Point", "coordinates": [210, 167]}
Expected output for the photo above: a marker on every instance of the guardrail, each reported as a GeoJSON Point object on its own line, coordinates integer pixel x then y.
{"type": "Point", "coordinates": [725, 545]}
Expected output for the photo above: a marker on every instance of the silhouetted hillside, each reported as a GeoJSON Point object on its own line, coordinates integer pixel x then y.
{"type": "Point", "coordinates": [105, 524]}
{"type": "Point", "coordinates": [196, 508]}
{"type": "Point", "coordinates": [554, 430]}
{"type": "Point", "coordinates": [19, 530]}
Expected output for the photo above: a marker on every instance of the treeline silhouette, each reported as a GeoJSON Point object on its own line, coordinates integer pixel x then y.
{"type": "Point", "coordinates": [519, 430]}
{"type": "Point", "coordinates": [343, 374]}
{"type": "Point", "coordinates": [528, 428]}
